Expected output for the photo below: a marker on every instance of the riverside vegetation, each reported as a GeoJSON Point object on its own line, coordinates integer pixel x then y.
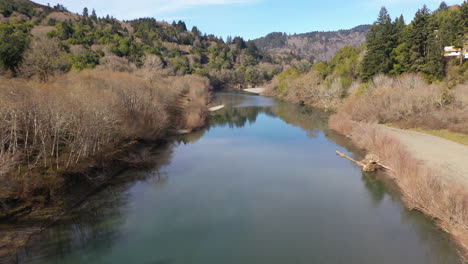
{"type": "Point", "coordinates": [77, 87]}
{"type": "Point", "coordinates": [77, 92]}
{"type": "Point", "coordinates": [399, 78]}
{"type": "Point", "coordinates": [80, 95]}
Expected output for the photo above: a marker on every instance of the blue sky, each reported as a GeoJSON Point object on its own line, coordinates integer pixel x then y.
{"type": "Point", "coordinates": [255, 18]}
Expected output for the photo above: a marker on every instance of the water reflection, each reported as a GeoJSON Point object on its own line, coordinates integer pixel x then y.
{"type": "Point", "coordinates": [239, 207]}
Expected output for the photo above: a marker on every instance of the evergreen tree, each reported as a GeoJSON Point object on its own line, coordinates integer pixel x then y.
{"type": "Point", "coordinates": [196, 31]}
{"type": "Point", "coordinates": [418, 38]}
{"type": "Point", "coordinates": [434, 64]}
{"type": "Point", "coordinates": [93, 15]}
{"type": "Point", "coordinates": [85, 12]}
{"type": "Point", "coordinates": [399, 29]}
{"type": "Point", "coordinates": [240, 43]}
{"type": "Point", "coordinates": [180, 26]}
{"type": "Point", "coordinates": [13, 43]}
{"type": "Point", "coordinates": [443, 6]}
{"type": "Point", "coordinates": [380, 44]}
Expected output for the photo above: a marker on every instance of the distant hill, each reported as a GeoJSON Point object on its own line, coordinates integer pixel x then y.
{"type": "Point", "coordinates": [322, 46]}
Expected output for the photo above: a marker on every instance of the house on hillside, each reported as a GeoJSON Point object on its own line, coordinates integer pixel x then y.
{"type": "Point", "coordinates": [452, 51]}
{"type": "Point", "coordinates": [456, 52]}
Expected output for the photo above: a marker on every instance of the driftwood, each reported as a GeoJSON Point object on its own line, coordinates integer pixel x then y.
{"type": "Point", "coordinates": [370, 163]}
{"type": "Point", "coordinates": [216, 108]}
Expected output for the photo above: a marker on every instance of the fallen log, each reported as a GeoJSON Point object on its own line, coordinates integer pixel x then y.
{"type": "Point", "coordinates": [370, 163]}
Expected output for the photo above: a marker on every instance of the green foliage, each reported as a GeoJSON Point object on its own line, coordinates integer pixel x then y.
{"type": "Point", "coordinates": [285, 77]}
{"type": "Point", "coordinates": [13, 42]}
{"type": "Point", "coordinates": [86, 60]}
{"type": "Point", "coordinates": [28, 8]}
{"type": "Point", "coordinates": [185, 52]}
{"type": "Point", "coordinates": [396, 49]}
{"type": "Point", "coordinates": [181, 65]}
{"type": "Point", "coordinates": [202, 72]}
{"type": "Point", "coordinates": [381, 41]}
{"type": "Point", "coordinates": [321, 68]}
{"type": "Point", "coordinates": [253, 76]}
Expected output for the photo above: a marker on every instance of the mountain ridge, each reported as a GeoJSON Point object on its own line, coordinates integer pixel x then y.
{"type": "Point", "coordinates": [315, 45]}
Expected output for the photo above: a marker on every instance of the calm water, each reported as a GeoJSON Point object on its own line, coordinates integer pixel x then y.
{"type": "Point", "coordinates": [262, 184]}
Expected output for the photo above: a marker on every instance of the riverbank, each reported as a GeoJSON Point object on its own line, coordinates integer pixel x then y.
{"type": "Point", "coordinates": [426, 182]}
{"type": "Point", "coordinates": [280, 171]}
{"type": "Point", "coordinates": [431, 175]}
{"type": "Point", "coordinates": [63, 141]}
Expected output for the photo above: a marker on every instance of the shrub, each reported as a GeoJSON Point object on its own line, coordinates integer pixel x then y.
{"type": "Point", "coordinates": [84, 115]}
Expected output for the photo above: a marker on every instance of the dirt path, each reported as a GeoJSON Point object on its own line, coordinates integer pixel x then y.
{"type": "Point", "coordinates": [448, 157]}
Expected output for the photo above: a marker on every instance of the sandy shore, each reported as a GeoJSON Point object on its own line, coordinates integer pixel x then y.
{"type": "Point", "coordinates": [255, 90]}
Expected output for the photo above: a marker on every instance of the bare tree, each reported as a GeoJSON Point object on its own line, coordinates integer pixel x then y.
{"type": "Point", "coordinates": [44, 59]}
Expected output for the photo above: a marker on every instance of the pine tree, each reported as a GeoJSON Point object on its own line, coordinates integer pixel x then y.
{"type": "Point", "coordinates": [93, 15]}
{"type": "Point", "coordinates": [380, 44]}
{"type": "Point", "coordinates": [434, 64]}
{"type": "Point", "coordinates": [85, 12]}
{"type": "Point", "coordinates": [418, 38]}
{"type": "Point", "coordinates": [443, 6]}
{"type": "Point", "coordinates": [399, 29]}
{"type": "Point", "coordinates": [196, 31]}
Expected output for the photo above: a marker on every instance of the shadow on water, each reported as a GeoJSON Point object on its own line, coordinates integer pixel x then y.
{"type": "Point", "coordinates": [97, 224]}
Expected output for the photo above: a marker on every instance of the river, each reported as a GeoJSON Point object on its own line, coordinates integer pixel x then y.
{"type": "Point", "coordinates": [260, 184]}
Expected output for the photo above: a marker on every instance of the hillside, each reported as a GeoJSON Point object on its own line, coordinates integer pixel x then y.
{"type": "Point", "coordinates": [88, 40]}
{"type": "Point", "coordinates": [321, 46]}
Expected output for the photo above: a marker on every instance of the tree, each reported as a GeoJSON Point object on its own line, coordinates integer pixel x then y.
{"type": "Point", "coordinates": [381, 41]}
{"type": "Point", "coordinates": [196, 31]}
{"type": "Point", "coordinates": [93, 15]}
{"type": "Point", "coordinates": [443, 6]}
{"type": "Point", "coordinates": [434, 65]}
{"type": "Point", "coordinates": [180, 26]}
{"type": "Point", "coordinates": [252, 49]}
{"type": "Point", "coordinates": [418, 38]}
{"type": "Point", "coordinates": [399, 29]}
{"type": "Point", "coordinates": [85, 12]}
{"type": "Point", "coordinates": [44, 59]}
{"type": "Point", "coordinates": [240, 43]}
{"type": "Point", "coordinates": [13, 42]}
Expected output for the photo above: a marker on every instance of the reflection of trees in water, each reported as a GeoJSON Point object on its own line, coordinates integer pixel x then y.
{"type": "Point", "coordinates": [439, 246]}
{"type": "Point", "coordinates": [97, 222]}
{"type": "Point", "coordinates": [311, 120]}
{"type": "Point", "coordinates": [237, 116]}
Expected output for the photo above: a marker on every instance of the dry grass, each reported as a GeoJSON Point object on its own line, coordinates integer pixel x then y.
{"type": "Point", "coordinates": [41, 31]}
{"type": "Point", "coordinates": [62, 16]}
{"type": "Point", "coordinates": [445, 201]}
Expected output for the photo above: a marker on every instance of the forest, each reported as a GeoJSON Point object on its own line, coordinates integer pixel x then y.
{"type": "Point", "coordinates": [399, 76]}
{"type": "Point", "coordinates": [30, 33]}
